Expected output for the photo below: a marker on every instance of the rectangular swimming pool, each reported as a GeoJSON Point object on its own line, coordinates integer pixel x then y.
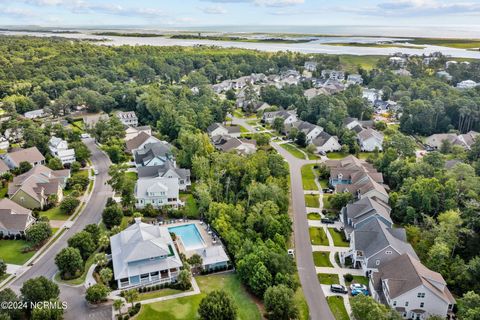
{"type": "Point", "coordinates": [189, 236]}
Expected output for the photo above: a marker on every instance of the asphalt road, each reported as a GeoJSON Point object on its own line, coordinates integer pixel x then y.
{"type": "Point", "coordinates": [92, 213]}
{"type": "Point", "coordinates": [312, 290]}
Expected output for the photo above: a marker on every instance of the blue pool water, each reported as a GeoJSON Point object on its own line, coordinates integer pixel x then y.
{"type": "Point", "coordinates": [189, 235]}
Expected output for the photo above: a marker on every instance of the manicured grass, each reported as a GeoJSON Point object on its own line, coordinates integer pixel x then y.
{"type": "Point", "coordinates": [157, 294]}
{"type": "Point", "coordinates": [326, 201]}
{"type": "Point", "coordinates": [11, 251]}
{"type": "Point", "coordinates": [308, 177]}
{"type": "Point", "coordinates": [324, 183]}
{"type": "Point", "coordinates": [293, 150]}
{"type": "Point", "coordinates": [191, 208]}
{"type": "Point", "coordinates": [237, 113]}
{"type": "Point", "coordinates": [313, 216]}
{"type": "Point", "coordinates": [318, 236]}
{"type": "Point", "coordinates": [357, 279]}
{"type": "Point", "coordinates": [338, 239]}
{"type": "Point", "coordinates": [337, 306]}
{"type": "Point", "coordinates": [328, 278]}
{"type": "Point", "coordinates": [311, 200]}
{"type": "Point", "coordinates": [341, 155]}
{"type": "Point", "coordinates": [55, 214]}
{"type": "Point", "coordinates": [321, 259]}
{"type": "Point", "coordinates": [185, 308]}
{"type": "Point", "coordinates": [3, 192]}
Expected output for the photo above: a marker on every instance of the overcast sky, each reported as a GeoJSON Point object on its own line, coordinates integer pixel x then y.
{"type": "Point", "coordinates": [190, 13]}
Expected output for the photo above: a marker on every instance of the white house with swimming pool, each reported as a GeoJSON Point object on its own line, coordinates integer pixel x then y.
{"type": "Point", "coordinates": [144, 254]}
{"type": "Point", "coordinates": [194, 238]}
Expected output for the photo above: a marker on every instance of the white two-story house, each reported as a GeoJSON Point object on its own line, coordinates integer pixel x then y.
{"type": "Point", "coordinates": [157, 191]}
{"type": "Point", "coordinates": [411, 289]}
{"type": "Point", "coordinates": [59, 149]}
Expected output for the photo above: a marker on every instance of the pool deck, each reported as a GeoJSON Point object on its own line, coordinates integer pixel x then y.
{"type": "Point", "coordinates": [201, 227]}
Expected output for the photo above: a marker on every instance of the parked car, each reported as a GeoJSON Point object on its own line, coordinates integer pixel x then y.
{"type": "Point", "coordinates": [95, 171]}
{"type": "Point", "coordinates": [327, 220]}
{"type": "Point", "coordinates": [357, 288]}
{"type": "Point", "coordinates": [291, 253]}
{"type": "Point", "coordinates": [338, 288]}
{"type": "Point", "coordinates": [322, 153]}
{"type": "Point", "coordinates": [327, 190]}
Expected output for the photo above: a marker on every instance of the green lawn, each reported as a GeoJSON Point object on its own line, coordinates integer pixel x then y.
{"type": "Point", "coordinates": [55, 214]}
{"type": "Point", "coordinates": [324, 183]}
{"type": "Point", "coordinates": [328, 278]}
{"type": "Point", "coordinates": [337, 306]}
{"type": "Point", "coordinates": [338, 239]}
{"type": "Point", "coordinates": [341, 155]}
{"type": "Point", "coordinates": [11, 251]}
{"type": "Point", "coordinates": [293, 150]}
{"type": "Point", "coordinates": [191, 208]}
{"type": "Point", "coordinates": [352, 62]}
{"type": "Point", "coordinates": [157, 294]}
{"type": "Point", "coordinates": [318, 236]}
{"type": "Point", "coordinates": [326, 201]}
{"type": "Point", "coordinates": [3, 192]}
{"type": "Point", "coordinates": [313, 216]}
{"type": "Point", "coordinates": [311, 200]}
{"type": "Point", "coordinates": [186, 308]}
{"type": "Point", "coordinates": [308, 177]}
{"type": "Point", "coordinates": [320, 259]}
{"type": "Point", "coordinates": [357, 279]}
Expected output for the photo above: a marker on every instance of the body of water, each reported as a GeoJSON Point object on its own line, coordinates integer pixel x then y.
{"type": "Point", "coordinates": [317, 46]}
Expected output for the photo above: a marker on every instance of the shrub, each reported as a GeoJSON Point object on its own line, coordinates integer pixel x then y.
{"type": "Point", "coordinates": [69, 204]}
{"type": "Point", "coordinates": [348, 277]}
{"type": "Point", "coordinates": [97, 293]}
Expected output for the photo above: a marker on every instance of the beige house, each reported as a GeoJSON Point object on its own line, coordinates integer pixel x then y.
{"type": "Point", "coordinates": [14, 219]}
{"type": "Point", "coordinates": [30, 155]}
{"type": "Point", "coordinates": [32, 189]}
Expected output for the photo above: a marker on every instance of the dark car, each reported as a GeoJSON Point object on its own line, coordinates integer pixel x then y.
{"type": "Point", "coordinates": [327, 220]}
{"type": "Point", "coordinates": [338, 288]}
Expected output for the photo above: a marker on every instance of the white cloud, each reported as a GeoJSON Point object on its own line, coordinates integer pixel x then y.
{"type": "Point", "coordinates": [17, 12]}
{"type": "Point", "coordinates": [266, 3]}
{"type": "Point", "coordinates": [412, 8]}
{"type": "Point", "coordinates": [278, 3]}
{"type": "Point", "coordinates": [214, 10]}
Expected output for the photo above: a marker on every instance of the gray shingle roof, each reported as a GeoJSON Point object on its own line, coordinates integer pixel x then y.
{"type": "Point", "coordinates": [13, 216]}
{"type": "Point", "coordinates": [375, 236]}
{"type": "Point", "coordinates": [405, 273]}
{"type": "Point", "coordinates": [153, 150]}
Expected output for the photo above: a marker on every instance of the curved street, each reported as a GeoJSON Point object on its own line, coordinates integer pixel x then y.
{"type": "Point", "coordinates": [92, 213]}
{"type": "Point", "coordinates": [317, 303]}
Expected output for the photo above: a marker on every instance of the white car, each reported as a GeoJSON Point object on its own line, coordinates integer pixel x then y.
{"type": "Point", "coordinates": [291, 252]}
{"type": "Point", "coordinates": [95, 171]}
